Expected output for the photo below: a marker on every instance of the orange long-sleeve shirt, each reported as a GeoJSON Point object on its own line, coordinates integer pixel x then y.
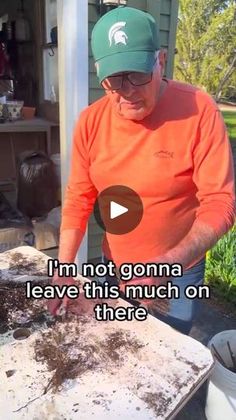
{"type": "Point", "coordinates": [178, 159]}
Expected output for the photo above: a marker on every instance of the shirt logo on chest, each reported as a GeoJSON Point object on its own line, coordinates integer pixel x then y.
{"type": "Point", "coordinates": [164, 154]}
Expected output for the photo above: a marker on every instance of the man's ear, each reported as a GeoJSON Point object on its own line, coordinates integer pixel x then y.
{"type": "Point", "coordinates": [162, 60]}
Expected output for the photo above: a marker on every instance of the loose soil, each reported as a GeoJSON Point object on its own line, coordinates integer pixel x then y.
{"type": "Point", "coordinates": [16, 309]}
{"type": "Point", "coordinates": [67, 353]}
{"type": "Point", "coordinates": [153, 400]}
{"type": "Point", "coordinates": [20, 265]}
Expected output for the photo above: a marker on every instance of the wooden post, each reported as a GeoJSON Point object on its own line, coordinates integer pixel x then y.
{"type": "Point", "coordinates": [72, 22]}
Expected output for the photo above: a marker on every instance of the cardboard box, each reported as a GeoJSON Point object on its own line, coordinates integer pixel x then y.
{"type": "Point", "coordinates": [42, 236]}
{"type": "Point", "coordinates": [13, 237]}
{"type": "Point", "coordinates": [46, 235]}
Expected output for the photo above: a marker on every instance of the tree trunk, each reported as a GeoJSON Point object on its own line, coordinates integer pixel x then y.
{"type": "Point", "coordinates": [224, 79]}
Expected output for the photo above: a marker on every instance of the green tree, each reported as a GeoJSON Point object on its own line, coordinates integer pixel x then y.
{"type": "Point", "coordinates": [206, 44]}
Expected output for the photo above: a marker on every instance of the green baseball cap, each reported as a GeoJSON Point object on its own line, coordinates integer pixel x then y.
{"type": "Point", "coordinates": [124, 39]}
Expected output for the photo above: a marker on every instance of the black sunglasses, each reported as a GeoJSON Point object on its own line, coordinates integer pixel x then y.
{"type": "Point", "coordinates": [135, 78]}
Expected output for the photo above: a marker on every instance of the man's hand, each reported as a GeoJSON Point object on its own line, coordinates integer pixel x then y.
{"type": "Point", "coordinates": [78, 306]}
{"type": "Point", "coordinates": [55, 304]}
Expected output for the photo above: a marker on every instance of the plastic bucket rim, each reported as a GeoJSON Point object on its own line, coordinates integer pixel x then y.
{"type": "Point", "coordinates": [217, 363]}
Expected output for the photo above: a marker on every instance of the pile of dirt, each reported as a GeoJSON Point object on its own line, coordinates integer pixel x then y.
{"type": "Point", "coordinates": [68, 354]}
{"type": "Point", "coordinates": [21, 265]}
{"type": "Point", "coordinates": [16, 310]}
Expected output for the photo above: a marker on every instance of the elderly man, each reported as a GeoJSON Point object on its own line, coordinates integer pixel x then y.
{"type": "Point", "coordinates": [163, 139]}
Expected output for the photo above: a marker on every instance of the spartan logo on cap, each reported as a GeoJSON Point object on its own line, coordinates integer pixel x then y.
{"type": "Point", "coordinates": [116, 35]}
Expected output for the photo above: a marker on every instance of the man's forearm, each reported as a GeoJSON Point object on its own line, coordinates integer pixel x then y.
{"type": "Point", "coordinates": [70, 240]}
{"type": "Point", "coordinates": [193, 247]}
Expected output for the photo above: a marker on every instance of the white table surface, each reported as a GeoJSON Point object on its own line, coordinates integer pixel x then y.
{"type": "Point", "coordinates": [151, 382]}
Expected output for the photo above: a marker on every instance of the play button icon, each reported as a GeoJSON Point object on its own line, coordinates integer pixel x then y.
{"type": "Point", "coordinates": [118, 209]}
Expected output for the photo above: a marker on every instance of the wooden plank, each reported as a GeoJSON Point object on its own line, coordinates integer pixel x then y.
{"type": "Point", "coordinates": [95, 240]}
{"type": "Point", "coordinates": [95, 225]}
{"type": "Point", "coordinates": [95, 94]}
{"type": "Point", "coordinates": [91, 65]}
{"type": "Point", "coordinates": [138, 4]}
{"type": "Point", "coordinates": [90, 28]}
{"type": "Point", "coordinates": [94, 253]}
{"type": "Point", "coordinates": [93, 221]}
{"type": "Point", "coordinates": [93, 81]}
{"type": "Point", "coordinates": [165, 7]}
{"type": "Point", "coordinates": [154, 8]}
{"type": "Point", "coordinates": [35, 124]}
{"type": "Point", "coordinates": [92, 218]}
{"type": "Point", "coordinates": [164, 22]}
{"type": "Point", "coordinates": [39, 39]}
{"type": "Point", "coordinates": [164, 39]}
{"type": "Point", "coordinates": [93, 13]}
{"type": "Point", "coordinates": [95, 237]}
{"type": "Point", "coordinates": [172, 38]}
{"type": "Point", "coordinates": [90, 54]}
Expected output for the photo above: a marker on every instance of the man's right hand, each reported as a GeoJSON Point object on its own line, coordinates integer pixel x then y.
{"type": "Point", "coordinates": [54, 305]}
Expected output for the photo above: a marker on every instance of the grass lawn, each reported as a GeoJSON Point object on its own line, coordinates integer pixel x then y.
{"type": "Point", "coordinates": [221, 259]}
{"type": "Point", "coordinates": [230, 121]}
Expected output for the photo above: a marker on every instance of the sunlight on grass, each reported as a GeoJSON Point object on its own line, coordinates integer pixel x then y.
{"type": "Point", "coordinates": [220, 271]}
{"type": "Point", "coordinates": [230, 121]}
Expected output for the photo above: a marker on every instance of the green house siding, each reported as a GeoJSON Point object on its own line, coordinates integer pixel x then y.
{"type": "Point", "coordinates": [165, 12]}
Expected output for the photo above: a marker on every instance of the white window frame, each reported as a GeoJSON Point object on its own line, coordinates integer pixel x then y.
{"type": "Point", "coordinates": [47, 21]}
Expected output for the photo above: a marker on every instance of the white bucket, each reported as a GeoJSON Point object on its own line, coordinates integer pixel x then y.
{"type": "Point", "coordinates": [221, 393]}
{"type": "Point", "coordinates": [56, 158]}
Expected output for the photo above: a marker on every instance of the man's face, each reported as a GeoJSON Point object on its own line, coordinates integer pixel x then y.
{"type": "Point", "coordinates": [137, 102]}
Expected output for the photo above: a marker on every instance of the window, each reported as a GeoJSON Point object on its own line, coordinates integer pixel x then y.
{"type": "Point", "coordinates": [50, 18]}
{"type": "Point", "coordinates": [50, 54]}
{"type": "Point", "coordinates": [50, 70]}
